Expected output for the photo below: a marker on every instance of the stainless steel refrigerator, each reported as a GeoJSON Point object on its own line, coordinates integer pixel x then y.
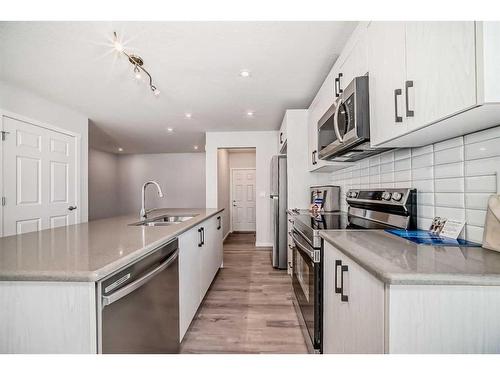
{"type": "Point", "coordinates": [278, 211]}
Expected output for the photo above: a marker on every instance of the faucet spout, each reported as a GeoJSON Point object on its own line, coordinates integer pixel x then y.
{"type": "Point", "coordinates": [143, 197]}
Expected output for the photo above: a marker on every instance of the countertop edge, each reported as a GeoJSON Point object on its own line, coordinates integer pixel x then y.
{"type": "Point", "coordinates": [443, 279]}
{"type": "Point", "coordinates": [103, 272]}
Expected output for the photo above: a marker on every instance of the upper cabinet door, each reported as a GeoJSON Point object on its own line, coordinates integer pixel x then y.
{"type": "Point", "coordinates": [440, 70]}
{"type": "Point", "coordinates": [385, 46]}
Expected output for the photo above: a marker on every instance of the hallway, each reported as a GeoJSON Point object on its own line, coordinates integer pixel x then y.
{"type": "Point", "coordinates": [248, 308]}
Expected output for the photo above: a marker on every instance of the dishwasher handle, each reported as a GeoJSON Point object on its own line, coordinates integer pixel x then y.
{"type": "Point", "coordinates": [120, 293]}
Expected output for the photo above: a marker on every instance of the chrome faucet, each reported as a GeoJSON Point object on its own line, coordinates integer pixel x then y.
{"type": "Point", "coordinates": [144, 212]}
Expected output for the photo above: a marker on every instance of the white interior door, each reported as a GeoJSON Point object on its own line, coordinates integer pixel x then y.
{"type": "Point", "coordinates": [39, 178]}
{"type": "Point", "coordinates": [243, 193]}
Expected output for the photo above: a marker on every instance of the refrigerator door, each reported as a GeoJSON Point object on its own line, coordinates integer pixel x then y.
{"type": "Point", "coordinates": [274, 189]}
{"type": "Point", "coordinates": [278, 195]}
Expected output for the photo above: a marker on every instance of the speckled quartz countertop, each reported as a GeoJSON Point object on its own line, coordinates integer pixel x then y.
{"type": "Point", "coordinates": [88, 251]}
{"type": "Point", "coordinates": [398, 261]}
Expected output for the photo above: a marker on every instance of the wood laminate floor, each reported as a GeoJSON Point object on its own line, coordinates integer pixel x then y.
{"type": "Point", "coordinates": [248, 308]}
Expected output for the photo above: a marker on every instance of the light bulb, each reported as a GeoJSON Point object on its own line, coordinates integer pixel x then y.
{"type": "Point", "coordinates": [156, 92]}
{"type": "Point", "coordinates": [170, 130]}
{"type": "Point", "coordinates": [196, 147]}
{"type": "Point", "coordinates": [137, 74]}
{"type": "Point", "coordinates": [118, 46]}
{"type": "Point", "coordinates": [245, 74]}
{"type": "Point", "coordinates": [250, 113]}
{"type": "Point", "coordinates": [120, 149]}
{"type": "Point", "coordinates": [188, 115]}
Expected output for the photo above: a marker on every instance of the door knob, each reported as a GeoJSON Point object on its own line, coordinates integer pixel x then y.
{"type": "Point", "coordinates": [71, 208]}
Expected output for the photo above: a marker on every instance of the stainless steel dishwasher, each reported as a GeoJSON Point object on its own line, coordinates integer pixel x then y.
{"type": "Point", "coordinates": [140, 305]}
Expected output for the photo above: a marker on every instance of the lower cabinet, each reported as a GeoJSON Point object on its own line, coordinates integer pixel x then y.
{"type": "Point", "coordinates": [200, 257]}
{"type": "Point", "coordinates": [361, 314]}
{"type": "Point", "coordinates": [353, 311]}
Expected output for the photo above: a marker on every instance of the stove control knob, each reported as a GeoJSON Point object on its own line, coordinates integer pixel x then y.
{"type": "Point", "coordinates": [386, 196]}
{"type": "Point", "coordinates": [354, 194]}
{"type": "Point", "coordinates": [397, 196]}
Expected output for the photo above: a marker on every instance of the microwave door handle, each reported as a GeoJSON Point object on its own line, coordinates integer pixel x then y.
{"type": "Point", "coordinates": [336, 123]}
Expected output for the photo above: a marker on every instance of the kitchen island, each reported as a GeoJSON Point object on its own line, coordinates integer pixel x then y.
{"type": "Point", "coordinates": [48, 294]}
{"type": "Point", "coordinates": [385, 294]}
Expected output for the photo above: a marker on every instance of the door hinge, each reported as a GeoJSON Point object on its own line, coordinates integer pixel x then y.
{"type": "Point", "coordinates": [3, 201]}
{"type": "Point", "coordinates": [4, 134]}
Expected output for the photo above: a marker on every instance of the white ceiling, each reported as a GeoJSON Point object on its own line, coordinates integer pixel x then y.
{"type": "Point", "coordinates": [196, 66]}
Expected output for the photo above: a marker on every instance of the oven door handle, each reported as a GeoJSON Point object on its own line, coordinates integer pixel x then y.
{"type": "Point", "coordinates": [301, 247]}
{"type": "Point", "coordinates": [338, 263]}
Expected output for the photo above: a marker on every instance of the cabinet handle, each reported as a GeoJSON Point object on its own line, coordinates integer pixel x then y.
{"type": "Point", "coordinates": [202, 236]}
{"type": "Point", "coordinates": [281, 138]}
{"type": "Point", "coordinates": [201, 242]}
{"type": "Point", "coordinates": [314, 162]}
{"type": "Point", "coordinates": [337, 264]}
{"type": "Point", "coordinates": [409, 113]}
{"type": "Point", "coordinates": [340, 87]}
{"type": "Point", "coordinates": [335, 85]}
{"type": "Point", "coordinates": [219, 224]}
{"type": "Point", "coordinates": [343, 297]}
{"type": "Point", "coordinates": [397, 118]}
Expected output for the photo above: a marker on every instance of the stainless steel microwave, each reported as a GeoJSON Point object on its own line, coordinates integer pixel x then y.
{"type": "Point", "coordinates": [344, 130]}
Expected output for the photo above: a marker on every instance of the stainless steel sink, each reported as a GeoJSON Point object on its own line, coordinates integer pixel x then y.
{"type": "Point", "coordinates": [163, 221]}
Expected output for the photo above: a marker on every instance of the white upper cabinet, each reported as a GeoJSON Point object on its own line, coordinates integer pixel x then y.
{"type": "Point", "coordinates": [440, 70]}
{"type": "Point", "coordinates": [438, 76]}
{"type": "Point", "coordinates": [282, 137]}
{"type": "Point", "coordinates": [386, 66]}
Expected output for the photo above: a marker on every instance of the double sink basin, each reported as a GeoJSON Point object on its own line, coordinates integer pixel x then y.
{"type": "Point", "coordinates": [163, 220]}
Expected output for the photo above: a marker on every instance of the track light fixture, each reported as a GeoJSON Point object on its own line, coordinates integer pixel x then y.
{"type": "Point", "coordinates": [138, 63]}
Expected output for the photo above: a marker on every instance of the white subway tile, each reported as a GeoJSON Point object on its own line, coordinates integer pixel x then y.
{"type": "Point", "coordinates": [484, 149]}
{"type": "Point", "coordinates": [450, 200]}
{"type": "Point", "coordinates": [402, 164]}
{"type": "Point", "coordinates": [374, 170]}
{"type": "Point", "coordinates": [423, 223]}
{"type": "Point", "coordinates": [450, 143]}
{"type": "Point", "coordinates": [481, 167]}
{"type": "Point", "coordinates": [364, 172]}
{"type": "Point", "coordinates": [364, 163]}
{"type": "Point", "coordinates": [402, 153]}
{"type": "Point", "coordinates": [473, 233]}
{"type": "Point", "coordinates": [387, 167]}
{"type": "Point", "coordinates": [402, 184]}
{"type": "Point", "coordinates": [387, 177]}
{"type": "Point", "coordinates": [422, 150]}
{"type": "Point", "coordinates": [387, 157]}
{"type": "Point", "coordinates": [374, 160]}
{"type": "Point", "coordinates": [450, 155]}
{"type": "Point", "coordinates": [425, 211]}
{"type": "Point", "coordinates": [375, 179]}
{"type": "Point", "coordinates": [449, 185]}
{"type": "Point", "coordinates": [402, 175]}
{"type": "Point", "coordinates": [424, 160]}
{"type": "Point", "coordinates": [481, 184]}
{"type": "Point", "coordinates": [425, 173]}
{"type": "Point", "coordinates": [364, 179]}
{"type": "Point", "coordinates": [449, 170]}
{"type": "Point", "coordinates": [424, 186]}
{"type": "Point", "coordinates": [457, 214]}
{"type": "Point", "coordinates": [425, 198]}
{"type": "Point", "coordinates": [478, 201]}
{"type": "Point", "coordinates": [475, 217]}
{"type": "Point", "coordinates": [483, 135]}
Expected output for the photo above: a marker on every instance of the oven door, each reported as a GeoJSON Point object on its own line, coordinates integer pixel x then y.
{"type": "Point", "coordinates": [307, 289]}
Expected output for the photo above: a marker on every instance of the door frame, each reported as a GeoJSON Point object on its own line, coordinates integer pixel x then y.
{"type": "Point", "coordinates": [231, 195]}
{"type": "Point", "coordinates": [78, 147]}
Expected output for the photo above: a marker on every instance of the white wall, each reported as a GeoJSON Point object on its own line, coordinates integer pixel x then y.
{"type": "Point", "coordinates": [453, 178]}
{"type": "Point", "coordinates": [30, 105]}
{"type": "Point", "coordinates": [223, 189]}
{"type": "Point", "coordinates": [266, 145]}
{"type": "Point", "coordinates": [103, 185]}
{"type": "Point", "coordinates": [181, 177]}
{"type": "Point", "coordinates": [241, 159]}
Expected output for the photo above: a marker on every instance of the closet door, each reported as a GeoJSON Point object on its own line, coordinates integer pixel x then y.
{"type": "Point", "coordinates": [39, 178]}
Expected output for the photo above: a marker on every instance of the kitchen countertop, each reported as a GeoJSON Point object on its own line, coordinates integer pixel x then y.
{"type": "Point", "coordinates": [88, 251]}
{"type": "Point", "coordinates": [398, 261]}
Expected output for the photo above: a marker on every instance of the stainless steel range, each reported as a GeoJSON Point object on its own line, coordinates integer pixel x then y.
{"type": "Point", "coordinates": [367, 209]}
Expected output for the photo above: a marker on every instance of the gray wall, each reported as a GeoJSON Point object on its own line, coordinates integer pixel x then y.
{"type": "Point", "coordinates": [34, 107]}
{"type": "Point", "coordinates": [116, 181]}
{"type": "Point", "coordinates": [103, 185]}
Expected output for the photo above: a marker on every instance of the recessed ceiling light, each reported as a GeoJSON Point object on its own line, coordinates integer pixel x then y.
{"type": "Point", "coordinates": [188, 115]}
{"type": "Point", "coordinates": [120, 149]}
{"type": "Point", "coordinates": [245, 73]}
{"type": "Point", "coordinates": [250, 113]}
{"type": "Point", "coordinates": [170, 130]}
{"type": "Point", "coordinates": [196, 147]}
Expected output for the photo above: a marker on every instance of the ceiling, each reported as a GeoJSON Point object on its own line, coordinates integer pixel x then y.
{"type": "Point", "coordinates": [196, 66]}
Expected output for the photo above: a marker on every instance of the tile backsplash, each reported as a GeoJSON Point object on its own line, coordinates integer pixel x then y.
{"type": "Point", "coordinates": [453, 178]}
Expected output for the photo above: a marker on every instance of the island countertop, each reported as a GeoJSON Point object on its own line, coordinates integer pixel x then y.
{"type": "Point", "coordinates": [89, 251]}
{"type": "Point", "coordinates": [395, 260]}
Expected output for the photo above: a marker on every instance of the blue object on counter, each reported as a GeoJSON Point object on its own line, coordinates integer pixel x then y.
{"type": "Point", "coordinates": [425, 237]}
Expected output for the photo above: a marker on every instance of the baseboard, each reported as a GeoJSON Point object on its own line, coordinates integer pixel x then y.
{"type": "Point", "coordinates": [227, 234]}
{"type": "Point", "coordinates": [263, 244]}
